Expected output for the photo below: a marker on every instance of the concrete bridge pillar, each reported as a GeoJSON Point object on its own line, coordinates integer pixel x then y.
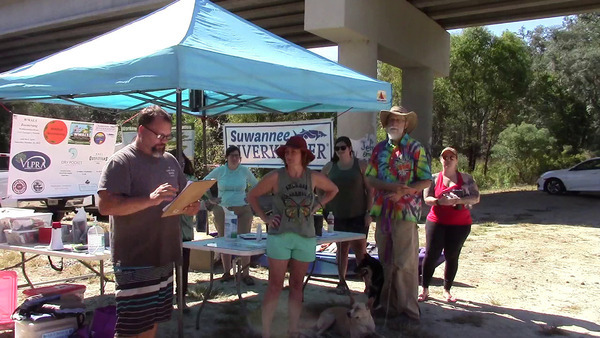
{"type": "Point", "coordinates": [394, 32]}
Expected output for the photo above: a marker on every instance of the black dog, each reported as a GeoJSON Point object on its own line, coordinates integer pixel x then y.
{"type": "Point", "coordinates": [371, 271]}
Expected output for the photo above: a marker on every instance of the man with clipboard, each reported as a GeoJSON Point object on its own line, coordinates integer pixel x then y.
{"type": "Point", "coordinates": [136, 184]}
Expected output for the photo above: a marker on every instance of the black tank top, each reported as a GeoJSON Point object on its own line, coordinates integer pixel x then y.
{"type": "Point", "coordinates": [351, 200]}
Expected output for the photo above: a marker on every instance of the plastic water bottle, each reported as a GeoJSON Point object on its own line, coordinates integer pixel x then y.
{"type": "Point", "coordinates": [95, 236]}
{"type": "Point", "coordinates": [231, 224]}
{"type": "Point", "coordinates": [56, 242]}
{"type": "Point", "coordinates": [259, 232]}
{"type": "Point", "coordinates": [330, 222]}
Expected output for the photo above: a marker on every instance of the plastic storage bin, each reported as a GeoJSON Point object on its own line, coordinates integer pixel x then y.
{"type": "Point", "coordinates": [19, 237]}
{"type": "Point", "coordinates": [59, 289]}
{"type": "Point", "coordinates": [55, 328]}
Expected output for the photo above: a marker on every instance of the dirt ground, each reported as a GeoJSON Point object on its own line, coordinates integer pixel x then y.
{"type": "Point", "coordinates": [529, 268]}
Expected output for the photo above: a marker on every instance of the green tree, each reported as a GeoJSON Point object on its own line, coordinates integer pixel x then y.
{"type": "Point", "coordinates": [488, 78]}
{"type": "Point", "coordinates": [393, 75]}
{"type": "Point", "coordinates": [569, 62]}
{"type": "Point", "coordinates": [525, 151]}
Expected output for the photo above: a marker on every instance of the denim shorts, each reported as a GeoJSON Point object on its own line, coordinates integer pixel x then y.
{"type": "Point", "coordinates": [290, 245]}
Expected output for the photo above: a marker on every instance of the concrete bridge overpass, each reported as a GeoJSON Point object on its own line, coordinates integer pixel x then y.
{"type": "Point", "coordinates": [410, 34]}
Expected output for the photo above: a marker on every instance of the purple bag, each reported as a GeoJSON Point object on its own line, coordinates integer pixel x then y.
{"type": "Point", "coordinates": [104, 322]}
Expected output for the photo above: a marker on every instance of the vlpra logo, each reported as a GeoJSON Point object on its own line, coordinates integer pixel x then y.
{"type": "Point", "coordinates": [31, 161]}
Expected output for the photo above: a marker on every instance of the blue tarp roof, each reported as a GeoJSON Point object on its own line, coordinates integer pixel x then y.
{"type": "Point", "coordinates": [194, 44]}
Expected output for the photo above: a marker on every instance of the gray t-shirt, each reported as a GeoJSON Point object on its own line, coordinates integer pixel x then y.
{"type": "Point", "coordinates": [294, 202]}
{"type": "Point", "coordinates": [143, 238]}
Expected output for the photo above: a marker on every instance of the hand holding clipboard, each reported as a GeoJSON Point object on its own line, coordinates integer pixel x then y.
{"type": "Point", "coordinates": [192, 192]}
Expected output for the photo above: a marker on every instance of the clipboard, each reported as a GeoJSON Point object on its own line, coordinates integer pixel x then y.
{"type": "Point", "coordinates": [192, 192]}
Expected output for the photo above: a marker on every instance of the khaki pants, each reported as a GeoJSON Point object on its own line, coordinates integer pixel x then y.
{"type": "Point", "coordinates": [401, 268]}
{"type": "Point", "coordinates": [244, 216]}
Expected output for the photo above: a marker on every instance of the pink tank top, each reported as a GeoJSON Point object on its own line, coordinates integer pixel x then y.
{"type": "Point", "coordinates": [447, 214]}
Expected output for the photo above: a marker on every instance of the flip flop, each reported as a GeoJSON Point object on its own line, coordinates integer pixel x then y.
{"type": "Point", "coordinates": [451, 299]}
{"type": "Point", "coordinates": [423, 297]}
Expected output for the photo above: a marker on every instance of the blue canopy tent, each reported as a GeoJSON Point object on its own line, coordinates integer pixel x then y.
{"type": "Point", "coordinates": [194, 44]}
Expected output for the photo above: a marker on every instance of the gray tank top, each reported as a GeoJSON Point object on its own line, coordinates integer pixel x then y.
{"type": "Point", "coordinates": [294, 202]}
{"type": "Point", "coordinates": [351, 200]}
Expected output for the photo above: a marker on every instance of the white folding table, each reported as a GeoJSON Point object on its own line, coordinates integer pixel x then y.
{"type": "Point", "coordinates": [82, 257]}
{"type": "Point", "coordinates": [249, 247]}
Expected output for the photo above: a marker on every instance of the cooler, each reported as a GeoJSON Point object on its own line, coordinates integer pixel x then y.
{"type": "Point", "coordinates": [8, 298]}
{"type": "Point", "coordinates": [55, 328]}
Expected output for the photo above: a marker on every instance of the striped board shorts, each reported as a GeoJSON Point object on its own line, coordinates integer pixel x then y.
{"type": "Point", "coordinates": [144, 297]}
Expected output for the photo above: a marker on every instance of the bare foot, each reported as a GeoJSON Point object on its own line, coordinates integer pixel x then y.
{"type": "Point", "coordinates": [448, 297]}
{"type": "Point", "coordinates": [424, 295]}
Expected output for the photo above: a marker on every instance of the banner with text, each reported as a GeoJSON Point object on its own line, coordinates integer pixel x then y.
{"type": "Point", "coordinates": [187, 132]}
{"type": "Point", "coordinates": [258, 141]}
{"type": "Point", "coordinates": [57, 158]}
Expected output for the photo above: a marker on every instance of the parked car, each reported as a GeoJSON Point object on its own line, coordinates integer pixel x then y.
{"type": "Point", "coordinates": [584, 176]}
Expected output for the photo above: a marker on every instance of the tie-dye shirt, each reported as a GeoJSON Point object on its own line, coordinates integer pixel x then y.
{"type": "Point", "coordinates": [405, 163]}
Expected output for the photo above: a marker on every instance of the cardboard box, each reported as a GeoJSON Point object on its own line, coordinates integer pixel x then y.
{"type": "Point", "coordinates": [200, 260]}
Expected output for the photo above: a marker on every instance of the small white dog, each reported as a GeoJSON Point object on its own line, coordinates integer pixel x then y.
{"type": "Point", "coordinates": [354, 322]}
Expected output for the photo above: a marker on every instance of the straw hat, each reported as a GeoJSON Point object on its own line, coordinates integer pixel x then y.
{"type": "Point", "coordinates": [411, 117]}
{"type": "Point", "coordinates": [297, 142]}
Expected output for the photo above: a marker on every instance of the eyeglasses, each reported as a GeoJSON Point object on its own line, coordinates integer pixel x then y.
{"type": "Point", "coordinates": [449, 158]}
{"type": "Point", "coordinates": [160, 136]}
{"type": "Point", "coordinates": [342, 148]}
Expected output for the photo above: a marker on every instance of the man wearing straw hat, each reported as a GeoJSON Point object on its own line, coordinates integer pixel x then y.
{"type": "Point", "coordinates": [399, 170]}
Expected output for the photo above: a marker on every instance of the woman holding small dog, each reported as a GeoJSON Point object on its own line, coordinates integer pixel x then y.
{"type": "Point", "coordinates": [448, 224]}
{"type": "Point", "coordinates": [351, 206]}
{"type": "Point", "coordinates": [291, 241]}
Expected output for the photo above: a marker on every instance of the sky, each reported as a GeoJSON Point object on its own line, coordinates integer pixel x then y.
{"type": "Point", "coordinates": [332, 52]}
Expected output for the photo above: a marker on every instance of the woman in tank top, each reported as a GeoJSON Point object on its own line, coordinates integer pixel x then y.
{"type": "Point", "coordinates": [448, 224]}
{"type": "Point", "coordinates": [291, 230]}
{"type": "Point", "coordinates": [351, 206]}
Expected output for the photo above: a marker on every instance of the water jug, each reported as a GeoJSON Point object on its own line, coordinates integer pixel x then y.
{"type": "Point", "coordinates": [79, 226]}
{"type": "Point", "coordinates": [231, 224]}
{"type": "Point", "coordinates": [95, 239]}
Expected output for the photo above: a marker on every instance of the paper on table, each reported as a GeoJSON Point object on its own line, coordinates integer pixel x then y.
{"type": "Point", "coordinates": [192, 192]}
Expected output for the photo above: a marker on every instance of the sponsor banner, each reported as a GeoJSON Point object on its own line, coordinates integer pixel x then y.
{"type": "Point", "coordinates": [187, 131]}
{"type": "Point", "coordinates": [258, 141]}
{"type": "Point", "coordinates": [56, 158]}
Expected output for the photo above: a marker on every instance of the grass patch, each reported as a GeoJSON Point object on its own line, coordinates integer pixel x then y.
{"type": "Point", "coordinates": [494, 301]}
{"type": "Point", "coordinates": [468, 318]}
{"type": "Point", "coordinates": [196, 292]}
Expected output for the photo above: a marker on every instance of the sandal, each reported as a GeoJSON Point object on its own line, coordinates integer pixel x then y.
{"type": "Point", "coordinates": [423, 297]}
{"type": "Point", "coordinates": [248, 280]}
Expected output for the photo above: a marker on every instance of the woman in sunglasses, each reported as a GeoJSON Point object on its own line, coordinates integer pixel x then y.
{"type": "Point", "coordinates": [351, 206]}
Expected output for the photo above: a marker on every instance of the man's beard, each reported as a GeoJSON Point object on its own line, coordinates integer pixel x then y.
{"type": "Point", "coordinates": [395, 135]}
{"type": "Point", "coordinates": [158, 151]}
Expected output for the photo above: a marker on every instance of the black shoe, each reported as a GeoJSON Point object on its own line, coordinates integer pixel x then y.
{"type": "Point", "coordinates": [248, 280]}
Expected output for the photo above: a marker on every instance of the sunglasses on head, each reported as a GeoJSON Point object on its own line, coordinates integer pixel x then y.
{"type": "Point", "coordinates": [342, 148]}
